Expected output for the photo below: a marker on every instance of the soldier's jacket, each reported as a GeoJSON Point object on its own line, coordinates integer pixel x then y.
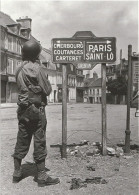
{"type": "Point", "coordinates": [33, 84]}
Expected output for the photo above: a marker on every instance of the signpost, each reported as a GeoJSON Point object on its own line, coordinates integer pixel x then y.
{"type": "Point", "coordinates": [83, 51]}
{"type": "Point", "coordinates": [104, 115]}
{"type": "Point", "coordinates": [127, 132]}
{"type": "Point", "coordinates": [64, 111]}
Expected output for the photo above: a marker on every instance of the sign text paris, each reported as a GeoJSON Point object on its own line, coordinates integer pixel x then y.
{"type": "Point", "coordinates": [95, 50]}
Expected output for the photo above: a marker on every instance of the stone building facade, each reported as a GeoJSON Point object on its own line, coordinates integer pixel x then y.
{"type": "Point", "coordinates": [12, 36]}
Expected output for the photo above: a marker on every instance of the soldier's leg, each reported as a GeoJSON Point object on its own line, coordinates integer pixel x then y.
{"type": "Point", "coordinates": [21, 149]}
{"type": "Point", "coordinates": [40, 152]}
{"type": "Point", "coordinates": [24, 137]}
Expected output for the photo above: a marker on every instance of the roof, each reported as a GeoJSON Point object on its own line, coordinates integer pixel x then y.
{"type": "Point", "coordinates": [46, 58]}
{"type": "Point", "coordinates": [33, 38]}
{"type": "Point", "coordinates": [96, 83]}
{"type": "Point", "coordinates": [7, 22]}
{"type": "Point", "coordinates": [5, 19]}
{"type": "Point", "coordinates": [45, 53]}
{"type": "Point", "coordinates": [88, 81]}
{"type": "Point", "coordinates": [83, 34]}
{"type": "Point", "coordinates": [91, 82]}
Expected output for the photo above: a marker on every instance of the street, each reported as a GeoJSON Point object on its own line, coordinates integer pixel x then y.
{"type": "Point", "coordinates": [84, 123]}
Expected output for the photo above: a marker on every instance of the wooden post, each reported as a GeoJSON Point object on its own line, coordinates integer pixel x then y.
{"type": "Point", "coordinates": [127, 132]}
{"type": "Point", "coordinates": [64, 111]}
{"type": "Point", "coordinates": [121, 63]}
{"type": "Point", "coordinates": [104, 118]}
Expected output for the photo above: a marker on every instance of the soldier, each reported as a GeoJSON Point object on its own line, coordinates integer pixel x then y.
{"type": "Point", "coordinates": [34, 87]}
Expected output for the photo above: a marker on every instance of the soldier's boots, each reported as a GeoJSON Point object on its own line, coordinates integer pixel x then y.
{"type": "Point", "coordinates": [44, 180]}
{"type": "Point", "coordinates": [17, 175]}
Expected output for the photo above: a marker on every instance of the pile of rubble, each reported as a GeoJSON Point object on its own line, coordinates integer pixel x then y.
{"type": "Point", "coordinates": [85, 148]}
{"type": "Point", "coordinates": [77, 183]}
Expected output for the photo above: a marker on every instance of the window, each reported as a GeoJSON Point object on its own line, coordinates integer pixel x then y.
{"type": "Point", "coordinates": [6, 42]}
{"type": "Point", "coordinates": [10, 43]}
{"type": "Point", "coordinates": [58, 65]}
{"type": "Point", "coordinates": [10, 69]}
{"type": "Point", "coordinates": [16, 45]}
{"type": "Point", "coordinates": [74, 82]}
{"type": "Point", "coordinates": [18, 64]}
{"type": "Point", "coordinates": [71, 66]}
{"type": "Point", "coordinates": [90, 91]}
{"type": "Point", "coordinates": [97, 91]}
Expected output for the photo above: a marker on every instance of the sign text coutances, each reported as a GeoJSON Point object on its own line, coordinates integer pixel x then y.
{"type": "Point", "coordinates": [95, 50]}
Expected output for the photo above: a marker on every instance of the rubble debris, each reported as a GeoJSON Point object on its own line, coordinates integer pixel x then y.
{"type": "Point", "coordinates": [84, 142]}
{"type": "Point", "coordinates": [103, 181]}
{"type": "Point", "coordinates": [77, 183]}
{"type": "Point", "coordinates": [96, 180]}
{"type": "Point", "coordinates": [134, 147]}
{"type": "Point", "coordinates": [128, 156]}
{"type": "Point", "coordinates": [119, 152]}
{"type": "Point", "coordinates": [93, 180]}
{"type": "Point", "coordinates": [116, 169]}
{"type": "Point", "coordinates": [97, 144]}
{"type": "Point", "coordinates": [92, 152]}
{"type": "Point", "coordinates": [111, 151]}
{"type": "Point", "coordinates": [90, 168]}
{"type": "Point", "coordinates": [76, 153]}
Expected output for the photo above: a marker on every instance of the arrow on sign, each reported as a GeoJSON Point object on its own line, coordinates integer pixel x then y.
{"type": "Point", "coordinates": [107, 42]}
{"type": "Point", "coordinates": [69, 42]}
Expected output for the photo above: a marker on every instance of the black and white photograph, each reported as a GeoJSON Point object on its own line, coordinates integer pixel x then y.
{"type": "Point", "coordinates": [69, 101]}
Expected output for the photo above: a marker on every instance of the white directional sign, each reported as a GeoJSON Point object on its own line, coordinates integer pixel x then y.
{"type": "Point", "coordinates": [95, 50]}
{"type": "Point", "coordinates": [135, 65]}
{"type": "Point", "coordinates": [85, 66]}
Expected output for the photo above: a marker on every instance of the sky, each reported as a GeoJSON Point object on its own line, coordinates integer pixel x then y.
{"type": "Point", "coordinates": [62, 19]}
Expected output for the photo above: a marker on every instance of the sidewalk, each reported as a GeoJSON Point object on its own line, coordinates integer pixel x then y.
{"type": "Point", "coordinates": [8, 105]}
{"type": "Point", "coordinates": [14, 105]}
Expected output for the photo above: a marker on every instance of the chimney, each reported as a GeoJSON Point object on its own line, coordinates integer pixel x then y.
{"type": "Point", "coordinates": [95, 76]}
{"type": "Point", "coordinates": [25, 22]}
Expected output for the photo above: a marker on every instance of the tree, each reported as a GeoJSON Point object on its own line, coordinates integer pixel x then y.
{"type": "Point", "coordinates": [117, 86]}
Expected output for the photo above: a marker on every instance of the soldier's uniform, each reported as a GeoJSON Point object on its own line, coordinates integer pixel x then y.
{"type": "Point", "coordinates": [34, 87]}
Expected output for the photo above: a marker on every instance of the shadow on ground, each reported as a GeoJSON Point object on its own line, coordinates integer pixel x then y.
{"type": "Point", "coordinates": [30, 169]}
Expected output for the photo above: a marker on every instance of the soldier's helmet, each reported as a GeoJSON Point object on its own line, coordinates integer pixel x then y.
{"type": "Point", "coordinates": [31, 50]}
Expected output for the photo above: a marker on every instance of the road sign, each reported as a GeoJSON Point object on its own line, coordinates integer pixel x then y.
{"type": "Point", "coordinates": [84, 50]}
{"type": "Point", "coordinates": [95, 50]}
{"type": "Point", "coordinates": [85, 66]}
{"type": "Point", "coordinates": [135, 70]}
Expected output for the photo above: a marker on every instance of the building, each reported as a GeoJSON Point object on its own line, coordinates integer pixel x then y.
{"type": "Point", "coordinates": [115, 72]}
{"type": "Point", "coordinates": [13, 35]}
{"type": "Point", "coordinates": [92, 93]}
{"type": "Point", "coordinates": [71, 82]}
{"type": "Point", "coordinates": [79, 85]}
{"type": "Point", "coordinates": [111, 72]}
{"type": "Point", "coordinates": [52, 74]}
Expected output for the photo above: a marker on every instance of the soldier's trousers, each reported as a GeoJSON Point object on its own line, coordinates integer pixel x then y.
{"type": "Point", "coordinates": [29, 127]}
